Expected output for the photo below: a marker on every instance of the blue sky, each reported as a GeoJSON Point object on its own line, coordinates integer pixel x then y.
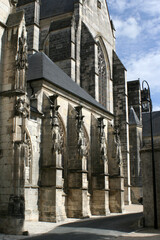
{"type": "Point", "coordinates": [137, 24]}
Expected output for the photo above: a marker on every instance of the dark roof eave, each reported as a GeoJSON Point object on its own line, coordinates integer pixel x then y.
{"type": "Point", "coordinates": [55, 15]}
{"type": "Point", "coordinates": [110, 115]}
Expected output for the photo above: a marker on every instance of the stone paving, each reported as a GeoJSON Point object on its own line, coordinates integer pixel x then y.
{"type": "Point", "coordinates": [36, 228]}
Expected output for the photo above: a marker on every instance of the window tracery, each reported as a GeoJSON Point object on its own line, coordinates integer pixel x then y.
{"type": "Point", "coordinates": [102, 70]}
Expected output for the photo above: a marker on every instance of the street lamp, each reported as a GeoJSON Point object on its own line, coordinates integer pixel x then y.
{"type": "Point", "coordinates": [147, 107]}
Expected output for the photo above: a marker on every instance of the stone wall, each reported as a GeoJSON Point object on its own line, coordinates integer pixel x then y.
{"type": "Point", "coordinates": [85, 178]}
{"type": "Point", "coordinates": [134, 97]}
{"type": "Point", "coordinates": [88, 60]}
{"type": "Point", "coordinates": [13, 114]}
{"type": "Point", "coordinates": [5, 9]}
{"type": "Point", "coordinates": [70, 41]}
{"type": "Point", "coordinates": [32, 15]}
{"type": "Point", "coordinates": [147, 171]}
{"type": "Point", "coordinates": [60, 48]}
{"type": "Point", "coordinates": [135, 134]}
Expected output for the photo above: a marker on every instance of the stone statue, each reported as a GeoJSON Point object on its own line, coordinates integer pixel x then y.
{"type": "Point", "coordinates": [21, 57]}
{"type": "Point", "coordinates": [57, 139]}
{"type": "Point", "coordinates": [28, 159]}
{"type": "Point", "coordinates": [82, 143]}
{"type": "Point", "coordinates": [103, 145]}
{"type": "Point", "coordinates": [57, 133]}
{"type": "Point", "coordinates": [22, 108]}
{"type": "Point", "coordinates": [118, 147]}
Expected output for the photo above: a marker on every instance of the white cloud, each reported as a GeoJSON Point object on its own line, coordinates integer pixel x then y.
{"type": "Point", "coordinates": [156, 108]}
{"type": "Point", "coordinates": [121, 5]}
{"type": "Point", "coordinates": [151, 7]}
{"type": "Point", "coordinates": [146, 67]}
{"type": "Point", "coordinates": [152, 26]}
{"type": "Point", "coordinates": [128, 28]}
{"type": "Point", "coordinates": [138, 29]}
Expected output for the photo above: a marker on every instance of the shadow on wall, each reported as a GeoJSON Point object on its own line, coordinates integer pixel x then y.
{"type": "Point", "coordinates": [91, 236]}
{"type": "Point", "coordinates": [73, 236]}
{"type": "Point", "coordinates": [155, 237]}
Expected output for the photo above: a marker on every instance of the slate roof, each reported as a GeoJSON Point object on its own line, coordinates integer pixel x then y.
{"type": "Point", "coordinates": [23, 2]}
{"type": "Point", "coordinates": [133, 119]}
{"type": "Point", "coordinates": [41, 67]}
{"type": "Point", "coordinates": [56, 7]}
{"type": "Point", "coordinates": [146, 124]}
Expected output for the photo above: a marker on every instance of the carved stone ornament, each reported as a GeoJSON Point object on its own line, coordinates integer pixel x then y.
{"type": "Point", "coordinates": [22, 108]}
{"type": "Point", "coordinates": [82, 142]}
{"type": "Point", "coordinates": [21, 57]}
{"type": "Point", "coordinates": [57, 132]}
{"type": "Point", "coordinates": [103, 145]}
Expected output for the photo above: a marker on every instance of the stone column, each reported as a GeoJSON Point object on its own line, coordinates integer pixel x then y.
{"type": "Point", "coordinates": [52, 194]}
{"type": "Point", "coordinates": [116, 179]}
{"type": "Point", "coordinates": [14, 109]}
{"type": "Point", "coordinates": [100, 177]}
{"type": "Point", "coordinates": [78, 196]}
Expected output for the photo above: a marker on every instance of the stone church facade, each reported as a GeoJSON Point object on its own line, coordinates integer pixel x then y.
{"type": "Point", "coordinates": [64, 121]}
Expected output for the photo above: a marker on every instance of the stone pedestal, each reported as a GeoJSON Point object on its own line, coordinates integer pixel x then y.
{"type": "Point", "coordinates": [127, 195]}
{"type": "Point", "coordinates": [136, 194]}
{"type": "Point", "coordinates": [116, 194]}
{"type": "Point", "coordinates": [100, 195]}
{"type": "Point", "coordinates": [11, 225]}
{"type": "Point", "coordinates": [78, 196]}
{"type": "Point", "coordinates": [52, 196]}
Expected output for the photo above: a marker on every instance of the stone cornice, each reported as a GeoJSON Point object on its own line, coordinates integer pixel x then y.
{"type": "Point", "coordinates": [3, 25]}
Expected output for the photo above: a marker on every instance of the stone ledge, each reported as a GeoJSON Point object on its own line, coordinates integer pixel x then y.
{"type": "Point", "coordinates": [12, 93]}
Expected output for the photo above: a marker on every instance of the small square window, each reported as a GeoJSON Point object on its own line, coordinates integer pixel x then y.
{"type": "Point", "coordinates": [99, 4]}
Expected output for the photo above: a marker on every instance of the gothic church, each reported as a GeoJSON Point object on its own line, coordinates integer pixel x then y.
{"type": "Point", "coordinates": [65, 147]}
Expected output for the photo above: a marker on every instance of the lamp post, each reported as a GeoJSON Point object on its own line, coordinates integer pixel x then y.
{"type": "Point", "coordinates": [147, 106]}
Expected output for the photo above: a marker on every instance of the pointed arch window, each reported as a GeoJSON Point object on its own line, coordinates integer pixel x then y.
{"type": "Point", "coordinates": [102, 70]}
